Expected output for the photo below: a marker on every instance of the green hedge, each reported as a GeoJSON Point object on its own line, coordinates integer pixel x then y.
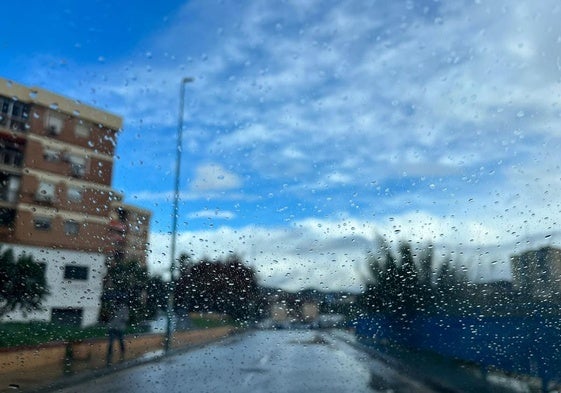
{"type": "Point", "coordinates": [34, 333]}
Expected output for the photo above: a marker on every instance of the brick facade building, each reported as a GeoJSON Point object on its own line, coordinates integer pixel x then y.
{"type": "Point", "coordinates": [56, 200]}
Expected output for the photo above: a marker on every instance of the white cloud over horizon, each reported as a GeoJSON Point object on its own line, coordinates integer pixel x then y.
{"type": "Point", "coordinates": [331, 254]}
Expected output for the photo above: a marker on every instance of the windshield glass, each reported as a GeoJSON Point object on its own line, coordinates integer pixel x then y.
{"type": "Point", "coordinates": [368, 184]}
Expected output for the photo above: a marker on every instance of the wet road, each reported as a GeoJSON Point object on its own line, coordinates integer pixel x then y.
{"type": "Point", "coordinates": [262, 361]}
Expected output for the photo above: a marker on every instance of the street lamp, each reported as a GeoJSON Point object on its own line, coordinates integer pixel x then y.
{"type": "Point", "coordinates": [167, 340]}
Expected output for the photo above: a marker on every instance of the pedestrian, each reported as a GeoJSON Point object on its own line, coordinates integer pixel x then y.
{"type": "Point", "coordinates": [116, 330]}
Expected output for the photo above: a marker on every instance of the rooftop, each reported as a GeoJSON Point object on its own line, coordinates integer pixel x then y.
{"type": "Point", "coordinates": [36, 95]}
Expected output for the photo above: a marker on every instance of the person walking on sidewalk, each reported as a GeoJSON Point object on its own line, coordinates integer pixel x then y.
{"type": "Point", "coordinates": [116, 330]}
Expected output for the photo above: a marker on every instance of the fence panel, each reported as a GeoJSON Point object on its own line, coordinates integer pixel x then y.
{"type": "Point", "coordinates": [526, 345]}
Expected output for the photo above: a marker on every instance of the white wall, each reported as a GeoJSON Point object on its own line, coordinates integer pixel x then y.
{"type": "Point", "coordinates": [64, 293]}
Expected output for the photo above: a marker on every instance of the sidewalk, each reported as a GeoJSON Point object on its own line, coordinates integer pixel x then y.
{"type": "Point", "coordinates": [446, 374]}
{"type": "Point", "coordinates": [52, 366]}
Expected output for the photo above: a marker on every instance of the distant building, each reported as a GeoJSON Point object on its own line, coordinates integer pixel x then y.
{"type": "Point", "coordinates": [310, 312]}
{"type": "Point", "coordinates": [537, 273]}
{"type": "Point", "coordinates": [128, 232]}
{"type": "Point", "coordinates": [56, 200]}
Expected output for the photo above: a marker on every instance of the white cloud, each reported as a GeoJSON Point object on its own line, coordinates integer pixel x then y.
{"type": "Point", "coordinates": [212, 214]}
{"type": "Point", "coordinates": [348, 86]}
{"type": "Point", "coordinates": [214, 177]}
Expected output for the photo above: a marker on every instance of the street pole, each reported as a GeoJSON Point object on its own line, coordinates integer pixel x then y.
{"type": "Point", "coordinates": [167, 340]}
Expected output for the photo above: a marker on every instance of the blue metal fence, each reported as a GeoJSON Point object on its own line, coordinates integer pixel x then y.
{"type": "Point", "coordinates": [525, 345]}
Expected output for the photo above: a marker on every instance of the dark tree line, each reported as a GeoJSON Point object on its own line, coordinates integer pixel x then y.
{"type": "Point", "coordinates": [409, 281]}
{"type": "Point", "coordinates": [223, 286]}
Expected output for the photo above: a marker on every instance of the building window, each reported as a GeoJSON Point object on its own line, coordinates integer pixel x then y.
{"type": "Point", "coordinates": [9, 188]}
{"type": "Point", "coordinates": [14, 114]}
{"type": "Point", "coordinates": [42, 223]}
{"type": "Point", "coordinates": [78, 170]}
{"type": "Point", "coordinates": [71, 228]}
{"type": "Point", "coordinates": [67, 316]}
{"type": "Point", "coordinates": [20, 110]}
{"type": "Point", "coordinates": [7, 217]}
{"type": "Point", "coordinates": [82, 130]}
{"type": "Point", "coordinates": [77, 166]}
{"type": "Point", "coordinates": [51, 155]}
{"type": "Point", "coordinates": [73, 272]}
{"type": "Point", "coordinates": [54, 124]}
{"type": "Point", "coordinates": [45, 192]}
{"type": "Point", "coordinates": [11, 156]}
{"type": "Point", "coordinates": [74, 194]}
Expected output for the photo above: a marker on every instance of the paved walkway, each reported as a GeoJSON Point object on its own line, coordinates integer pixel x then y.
{"type": "Point", "coordinates": [48, 378]}
{"type": "Point", "coordinates": [91, 363]}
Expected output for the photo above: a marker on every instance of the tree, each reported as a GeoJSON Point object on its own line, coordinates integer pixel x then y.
{"type": "Point", "coordinates": [156, 295]}
{"type": "Point", "coordinates": [409, 287]}
{"type": "Point", "coordinates": [125, 282]}
{"type": "Point", "coordinates": [425, 270]}
{"type": "Point", "coordinates": [453, 292]}
{"type": "Point", "coordinates": [223, 286]}
{"type": "Point", "coordinates": [22, 282]}
{"type": "Point", "coordinates": [397, 285]}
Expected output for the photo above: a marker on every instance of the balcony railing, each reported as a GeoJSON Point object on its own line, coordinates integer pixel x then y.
{"type": "Point", "coordinates": [13, 123]}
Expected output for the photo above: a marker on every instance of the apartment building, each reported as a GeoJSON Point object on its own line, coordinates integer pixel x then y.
{"type": "Point", "coordinates": [537, 273]}
{"type": "Point", "coordinates": [56, 200]}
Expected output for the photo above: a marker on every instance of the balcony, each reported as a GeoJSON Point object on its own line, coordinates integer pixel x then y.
{"type": "Point", "coordinates": [9, 188]}
{"type": "Point", "coordinates": [14, 115]}
{"type": "Point", "coordinates": [10, 158]}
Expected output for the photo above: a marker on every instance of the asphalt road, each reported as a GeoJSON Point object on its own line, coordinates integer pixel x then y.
{"type": "Point", "coordinates": [261, 361]}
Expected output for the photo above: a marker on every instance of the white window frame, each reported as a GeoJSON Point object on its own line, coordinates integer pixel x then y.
{"type": "Point", "coordinates": [54, 123]}
{"type": "Point", "coordinates": [45, 192]}
{"type": "Point", "coordinates": [75, 225]}
{"type": "Point", "coordinates": [14, 183]}
{"type": "Point", "coordinates": [77, 165]}
{"type": "Point", "coordinates": [82, 130]}
{"type": "Point", "coordinates": [74, 194]}
{"type": "Point", "coordinates": [47, 221]}
{"type": "Point", "coordinates": [52, 155]}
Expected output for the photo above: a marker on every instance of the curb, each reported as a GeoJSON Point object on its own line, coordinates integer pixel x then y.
{"type": "Point", "coordinates": [399, 366]}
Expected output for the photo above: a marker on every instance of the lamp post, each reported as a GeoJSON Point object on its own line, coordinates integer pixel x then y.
{"type": "Point", "coordinates": [167, 340]}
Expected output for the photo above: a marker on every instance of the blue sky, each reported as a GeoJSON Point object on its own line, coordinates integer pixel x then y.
{"type": "Point", "coordinates": [313, 126]}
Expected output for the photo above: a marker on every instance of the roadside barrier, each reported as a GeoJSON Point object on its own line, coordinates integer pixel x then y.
{"type": "Point", "coordinates": [525, 345]}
